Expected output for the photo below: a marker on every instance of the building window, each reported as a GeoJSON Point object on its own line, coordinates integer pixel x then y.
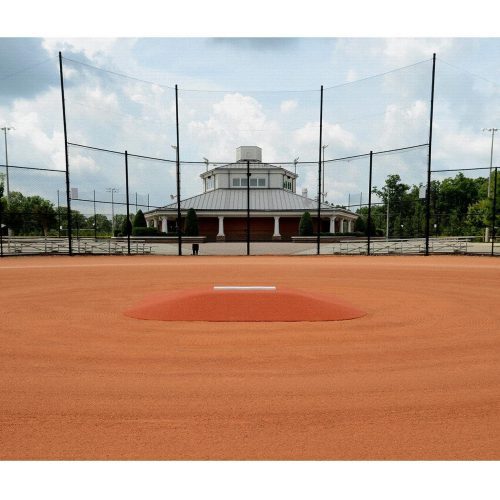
{"type": "Point", "coordinates": [287, 183]}
{"type": "Point", "coordinates": [210, 182]}
{"type": "Point", "coordinates": [254, 182]}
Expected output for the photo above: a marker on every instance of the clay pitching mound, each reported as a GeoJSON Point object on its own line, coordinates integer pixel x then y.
{"type": "Point", "coordinates": [243, 304]}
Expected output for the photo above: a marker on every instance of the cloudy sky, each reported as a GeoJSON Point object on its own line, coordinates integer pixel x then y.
{"type": "Point", "coordinates": [244, 91]}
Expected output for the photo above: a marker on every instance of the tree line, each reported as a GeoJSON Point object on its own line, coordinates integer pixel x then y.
{"type": "Point", "coordinates": [458, 206]}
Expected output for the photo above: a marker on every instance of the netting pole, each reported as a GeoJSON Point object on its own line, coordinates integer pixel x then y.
{"type": "Point", "coordinates": [429, 160]}
{"type": "Point", "coordinates": [127, 224]}
{"type": "Point", "coordinates": [58, 216]}
{"type": "Point", "coordinates": [494, 215]}
{"type": "Point", "coordinates": [95, 220]}
{"type": "Point", "coordinates": [318, 242]}
{"type": "Point", "coordinates": [68, 198]}
{"type": "Point", "coordinates": [369, 204]}
{"type": "Point", "coordinates": [248, 207]}
{"type": "Point", "coordinates": [178, 173]}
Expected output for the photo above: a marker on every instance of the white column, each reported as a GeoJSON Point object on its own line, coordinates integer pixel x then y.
{"type": "Point", "coordinates": [155, 223]}
{"type": "Point", "coordinates": [342, 225]}
{"type": "Point", "coordinates": [349, 226]}
{"type": "Point", "coordinates": [276, 235]}
{"type": "Point", "coordinates": [332, 224]}
{"type": "Point", "coordinates": [221, 235]}
{"type": "Point", "coordinates": [164, 224]}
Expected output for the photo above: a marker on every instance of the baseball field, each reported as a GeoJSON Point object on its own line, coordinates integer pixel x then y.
{"type": "Point", "coordinates": [414, 377]}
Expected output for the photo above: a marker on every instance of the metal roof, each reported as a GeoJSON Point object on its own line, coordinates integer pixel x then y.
{"type": "Point", "coordinates": [260, 199]}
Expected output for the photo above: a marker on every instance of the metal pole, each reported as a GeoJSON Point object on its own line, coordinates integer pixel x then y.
{"type": "Point", "coordinates": [95, 220]}
{"type": "Point", "coordinates": [112, 213]}
{"type": "Point", "coordinates": [6, 163]}
{"type": "Point", "coordinates": [58, 216]}
{"type": "Point", "coordinates": [429, 161]}
{"type": "Point", "coordinates": [136, 202]}
{"type": "Point", "coordinates": [323, 175]}
{"type": "Point", "coordinates": [318, 242]}
{"type": "Point", "coordinates": [178, 173]}
{"type": "Point", "coordinates": [68, 198]}
{"type": "Point", "coordinates": [387, 216]}
{"type": "Point", "coordinates": [248, 207]}
{"type": "Point", "coordinates": [127, 224]}
{"type": "Point", "coordinates": [370, 204]}
{"type": "Point", "coordinates": [493, 130]}
{"type": "Point", "coordinates": [494, 215]}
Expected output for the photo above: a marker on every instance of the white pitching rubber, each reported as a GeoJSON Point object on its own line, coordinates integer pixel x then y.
{"type": "Point", "coordinates": [246, 288]}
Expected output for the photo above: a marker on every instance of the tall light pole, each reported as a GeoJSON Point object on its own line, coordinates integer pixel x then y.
{"type": "Point", "coordinates": [112, 190]}
{"type": "Point", "coordinates": [5, 129]}
{"type": "Point", "coordinates": [492, 130]}
{"type": "Point", "coordinates": [295, 161]}
{"type": "Point", "coordinates": [323, 180]}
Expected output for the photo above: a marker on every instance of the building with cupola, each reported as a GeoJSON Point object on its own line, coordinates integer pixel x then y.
{"type": "Point", "coordinates": [275, 207]}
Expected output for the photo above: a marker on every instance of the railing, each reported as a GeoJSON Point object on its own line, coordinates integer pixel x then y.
{"type": "Point", "coordinates": [37, 246]}
{"type": "Point", "coordinates": [410, 246]}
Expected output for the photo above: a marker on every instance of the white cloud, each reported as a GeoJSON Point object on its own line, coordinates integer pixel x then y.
{"type": "Point", "coordinates": [287, 106]}
{"type": "Point", "coordinates": [401, 51]}
{"type": "Point", "coordinates": [236, 120]}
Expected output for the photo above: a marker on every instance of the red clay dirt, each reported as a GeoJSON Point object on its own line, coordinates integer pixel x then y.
{"type": "Point", "coordinates": [243, 305]}
{"type": "Point", "coordinates": [415, 378]}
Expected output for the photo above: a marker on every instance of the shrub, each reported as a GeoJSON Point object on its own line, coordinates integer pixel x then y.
{"type": "Point", "coordinates": [306, 225]}
{"type": "Point", "coordinates": [191, 223]}
{"type": "Point", "coordinates": [145, 231]}
{"type": "Point", "coordinates": [126, 228]}
{"type": "Point", "coordinates": [139, 220]}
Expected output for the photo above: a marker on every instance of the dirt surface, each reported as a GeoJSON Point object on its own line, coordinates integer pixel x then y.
{"type": "Point", "coordinates": [243, 305]}
{"type": "Point", "coordinates": [417, 377]}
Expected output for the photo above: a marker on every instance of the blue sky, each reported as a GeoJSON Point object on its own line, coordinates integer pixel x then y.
{"type": "Point", "coordinates": [243, 91]}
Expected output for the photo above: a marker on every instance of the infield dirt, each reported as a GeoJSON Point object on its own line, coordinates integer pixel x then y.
{"type": "Point", "coordinates": [416, 378]}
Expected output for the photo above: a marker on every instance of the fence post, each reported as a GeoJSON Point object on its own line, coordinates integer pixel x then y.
{"type": "Point", "coordinates": [178, 174]}
{"type": "Point", "coordinates": [68, 198]}
{"type": "Point", "coordinates": [248, 207]}
{"type": "Point", "coordinates": [127, 225]}
{"type": "Point", "coordinates": [494, 215]}
{"type": "Point", "coordinates": [428, 193]}
{"type": "Point", "coordinates": [369, 223]}
{"type": "Point", "coordinates": [318, 242]}
{"type": "Point", "coordinates": [95, 220]}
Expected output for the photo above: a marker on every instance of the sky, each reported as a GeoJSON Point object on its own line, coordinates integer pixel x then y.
{"type": "Point", "coordinates": [262, 91]}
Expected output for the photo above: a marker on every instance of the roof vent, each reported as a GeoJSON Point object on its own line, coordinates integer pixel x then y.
{"type": "Point", "coordinates": [251, 153]}
{"type": "Point", "coordinates": [304, 192]}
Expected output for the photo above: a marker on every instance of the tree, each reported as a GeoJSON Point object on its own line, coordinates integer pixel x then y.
{"type": "Point", "coordinates": [191, 223]}
{"type": "Point", "coordinates": [126, 227]}
{"type": "Point", "coordinates": [42, 212]}
{"type": "Point", "coordinates": [306, 225]}
{"type": "Point", "coordinates": [139, 219]}
{"type": "Point", "coordinates": [15, 211]}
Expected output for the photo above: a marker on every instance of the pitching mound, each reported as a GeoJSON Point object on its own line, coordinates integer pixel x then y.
{"type": "Point", "coordinates": [231, 303]}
